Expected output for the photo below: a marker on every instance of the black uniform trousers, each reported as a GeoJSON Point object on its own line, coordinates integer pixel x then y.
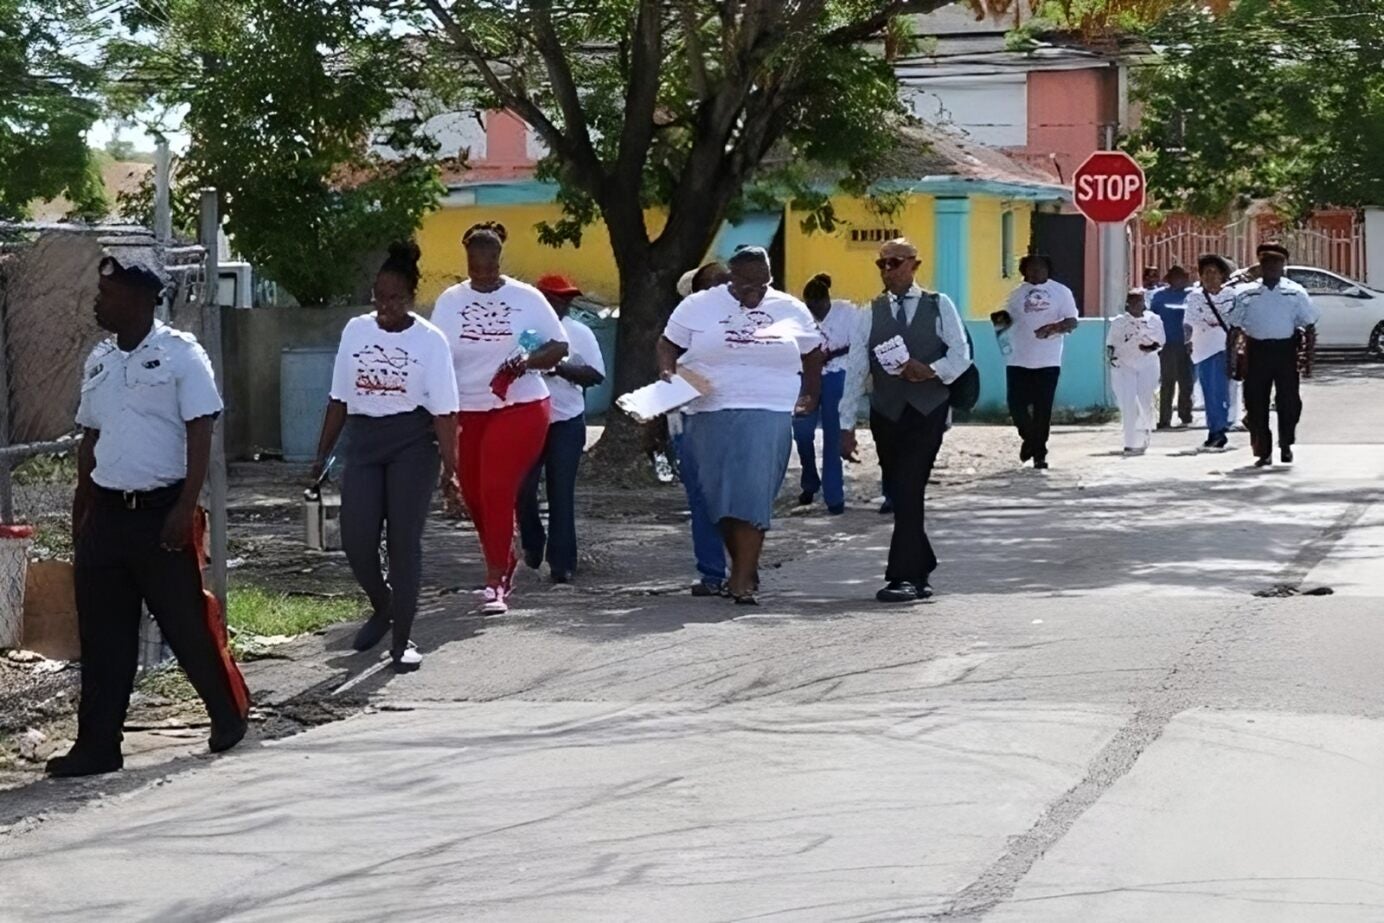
{"type": "Point", "coordinates": [1031, 393]}
{"type": "Point", "coordinates": [121, 566]}
{"type": "Point", "coordinates": [1176, 373]}
{"type": "Point", "coordinates": [907, 449]}
{"type": "Point", "coordinates": [1272, 367]}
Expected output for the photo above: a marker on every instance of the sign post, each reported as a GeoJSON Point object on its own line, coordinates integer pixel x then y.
{"type": "Point", "coordinates": [1109, 189]}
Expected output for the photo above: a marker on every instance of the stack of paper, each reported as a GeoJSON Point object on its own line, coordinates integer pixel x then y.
{"type": "Point", "coordinates": [892, 355]}
{"type": "Point", "coordinates": [653, 401]}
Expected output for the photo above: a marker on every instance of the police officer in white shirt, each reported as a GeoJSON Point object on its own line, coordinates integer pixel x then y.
{"type": "Point", "coordinates": [909, 407]}
{"type": "Point", "coordinates": [1271, 311]}
{"type": "Point", "coordinates": [148, 404]}
{"type": "Point", "coordinates": [562, 451]}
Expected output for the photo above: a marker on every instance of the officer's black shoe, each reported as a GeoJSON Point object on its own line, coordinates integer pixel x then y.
{"type": "Point", "coordinates": [79, 762]}
{"type": "Point", "coordinates": [224, 737]}
{"type": "Point", "coordinates": [898, 591]}
{"type": "Point", "coordinates": [1287, 455]}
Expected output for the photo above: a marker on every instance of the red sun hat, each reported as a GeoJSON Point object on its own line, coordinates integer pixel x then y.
{"type": "Point", "coordinates": [559, 286]}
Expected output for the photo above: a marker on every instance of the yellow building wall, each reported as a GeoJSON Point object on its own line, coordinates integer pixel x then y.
{"type": "Point", "coordinates": [852, 265]}
{"type": "Point", "coordinates": [591, 266]}
{"type": "Point", "coordinates": [989, 284]}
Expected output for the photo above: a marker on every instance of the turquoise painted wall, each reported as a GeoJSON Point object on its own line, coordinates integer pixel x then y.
{"type": "Point", "coordinates": [1083, 381]}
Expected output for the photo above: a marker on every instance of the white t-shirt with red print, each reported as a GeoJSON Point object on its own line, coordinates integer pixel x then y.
{"type": "Point", "coordinates": [1031, 307]}
{"type": "Point", "coordinates": [483, 331]}
{"type": "Point", "coordinates": [380, 373]}
{"type": "Point", "coordinates": [751, 357]}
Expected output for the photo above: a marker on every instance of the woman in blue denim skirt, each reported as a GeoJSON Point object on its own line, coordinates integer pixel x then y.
{"type": "Point", "coordinates": [760, 351]}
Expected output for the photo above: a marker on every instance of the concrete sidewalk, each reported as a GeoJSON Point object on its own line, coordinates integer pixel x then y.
{"type": "Point", "coordinates": [1095, 720]}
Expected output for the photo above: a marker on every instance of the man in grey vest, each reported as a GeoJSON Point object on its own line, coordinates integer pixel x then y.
{"type": "Point", "coordinates": [909, 404]}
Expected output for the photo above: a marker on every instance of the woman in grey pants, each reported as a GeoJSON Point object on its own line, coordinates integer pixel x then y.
{"type": "Point", "coordinates": [394, 393]}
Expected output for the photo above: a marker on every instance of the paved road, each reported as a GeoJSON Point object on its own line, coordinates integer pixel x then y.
{"type": "Point", "coordinates": [1096, 720]}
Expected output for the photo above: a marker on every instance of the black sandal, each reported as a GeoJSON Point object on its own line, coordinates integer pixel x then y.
{"type": "Point", "coordinates": [749, 599]}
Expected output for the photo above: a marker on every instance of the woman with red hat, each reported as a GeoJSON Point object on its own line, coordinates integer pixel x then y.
{"type": "Point", "coordinates": [567, 382]}
{"type": "Point", "coordinates": [502, 334]}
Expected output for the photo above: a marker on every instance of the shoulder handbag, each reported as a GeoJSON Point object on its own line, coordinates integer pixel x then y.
{"type": "Point", "coordinates": [1236, 344]}
{"type": "Point", "coordinates": [965, 390]}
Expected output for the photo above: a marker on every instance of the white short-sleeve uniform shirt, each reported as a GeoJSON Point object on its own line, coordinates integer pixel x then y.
{"type": "Point", "coordinates": [1033, 306]}
{"type": "Point", "coordinates": [751, 357]}
{"type": "Point", "coordinates": [569, 400]}
{"type": "Point", "coordinates": [483, 331]}
{"type": "Point", "coordinates": [141, 402]}
{"type": "Point", "coordinates": [379, 373]}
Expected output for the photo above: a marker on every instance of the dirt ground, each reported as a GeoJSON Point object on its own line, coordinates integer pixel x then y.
{"type": "Point", "coordinates": [634, 540]}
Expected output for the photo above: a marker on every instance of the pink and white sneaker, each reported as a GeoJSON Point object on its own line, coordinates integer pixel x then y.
{"type": "Point", "coordinates": [493, 601]}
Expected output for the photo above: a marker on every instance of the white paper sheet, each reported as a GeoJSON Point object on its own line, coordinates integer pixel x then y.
{"type": "Point", "coordinates": [653, 401]}
{"type": "Point", "coordinates": [892, 355]}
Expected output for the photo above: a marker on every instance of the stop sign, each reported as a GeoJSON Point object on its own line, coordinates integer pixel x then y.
{"type": "Point", "coordinates": [1109, 186]}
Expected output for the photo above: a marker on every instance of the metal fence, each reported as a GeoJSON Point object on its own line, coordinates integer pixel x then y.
{"type": "Point", "coordinates": [44, 269]}
{"type": "Point", "coordinates": [1333, 240]}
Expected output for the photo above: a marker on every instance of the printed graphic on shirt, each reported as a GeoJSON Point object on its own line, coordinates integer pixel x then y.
{"type": "Point", "coordinates": [381, 371]}
{"type": "Point", "coordinates": [486, 322]}
{"type": "Point", "coordinates": [745, 328]}
{"type": "Point", "coordinates": [1036, 301]}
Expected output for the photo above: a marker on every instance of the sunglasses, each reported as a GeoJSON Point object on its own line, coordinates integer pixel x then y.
{"type": "Point", "coordinates": [891, 262]}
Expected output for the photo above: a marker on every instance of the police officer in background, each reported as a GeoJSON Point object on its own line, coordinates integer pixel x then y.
{"type": "Point", "coordinates": [1271, 311]}
{"type": "Point", "coordinates": [148, 404]}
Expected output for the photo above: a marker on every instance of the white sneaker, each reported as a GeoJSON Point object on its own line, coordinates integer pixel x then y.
{"type": "Point", "coordinates": [409, 660]}
{"type": "Point", "coordinates": [493, 601]}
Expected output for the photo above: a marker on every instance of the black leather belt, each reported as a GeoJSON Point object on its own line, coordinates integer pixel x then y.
{"type": "Point", "coordinates": [159, 498]}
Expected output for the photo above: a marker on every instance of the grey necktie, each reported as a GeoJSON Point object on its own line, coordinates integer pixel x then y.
{"type": "Point", "coordinates": [900, 312]}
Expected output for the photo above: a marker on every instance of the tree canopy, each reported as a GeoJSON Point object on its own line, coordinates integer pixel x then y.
{"type": "Point", "coordinates": [48, 101]}
{"type": "Point", "coordinates": [1280, 100]}
{"type": "Point", "coordinates": [286, 103]}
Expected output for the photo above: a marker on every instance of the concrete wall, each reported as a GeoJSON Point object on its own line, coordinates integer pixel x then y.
{"type": "Point", "coordinates": [252, 342]}
{"type": "Point", "coordinates": [1083, 384]}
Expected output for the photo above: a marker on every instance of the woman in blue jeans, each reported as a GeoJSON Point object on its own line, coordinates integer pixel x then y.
{"type": "Point", "coordinates": [1205, 327]}
{"type": "Point", "coordinates": [836, 320]}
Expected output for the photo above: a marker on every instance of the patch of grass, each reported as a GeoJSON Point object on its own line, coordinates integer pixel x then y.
{"type": "Point", "coordinates": [47, 469]}
{"type": "Point", "coordinates": [167, 681]}
{"type": "Point", "coordinates": [251, 610]}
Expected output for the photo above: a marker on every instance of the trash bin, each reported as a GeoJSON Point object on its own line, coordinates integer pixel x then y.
{"type": "Point", "coordinates": [14, 569]}
{"type": "Point", "coordinates": [599, 398]}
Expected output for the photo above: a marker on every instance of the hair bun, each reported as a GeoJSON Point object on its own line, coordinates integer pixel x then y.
{"type": "Point", "coordinates": [499, 230]}
{"type": "Point", "coordinates": [822, 278]}
{"type": "Point", "coordinates": [405, 251]}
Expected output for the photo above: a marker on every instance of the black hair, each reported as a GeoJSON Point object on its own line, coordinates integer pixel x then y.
{"type": "Point", "coordinates": [1212, 259]}
{"type": "Point", "coordinates": [818, 288]}
{"type": "Point", "coordinates": [747, 255]}
{"type": "Point", "coordinates": [403, 261]}
{"type": "Point", "coordinates": [1176, 270]}
{"type": "Point", "coordinates": [486, 234]}
{"type": "Point", "coordinates": [1035, 258]}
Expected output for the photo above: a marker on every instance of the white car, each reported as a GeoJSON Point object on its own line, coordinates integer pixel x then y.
{"type": "Point", "coordinates": [1352, 314]}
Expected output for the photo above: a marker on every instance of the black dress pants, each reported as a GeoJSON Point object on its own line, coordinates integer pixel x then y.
{"type": "Point", "coordinates": [907, 449]}
{"type": "Point", "coordinates": [1272, 367]}
{"type": "Point", "coordinates": [1031, 393]}
{"type": "Point", "coordinates": [120, 567]}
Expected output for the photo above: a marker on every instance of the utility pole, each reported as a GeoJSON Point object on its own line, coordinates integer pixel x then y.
{"type": "Point", "coordinates": [210, 225]}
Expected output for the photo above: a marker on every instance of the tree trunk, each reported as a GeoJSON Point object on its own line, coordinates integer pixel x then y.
{"type": "Point", "coordinates": [648, 295]}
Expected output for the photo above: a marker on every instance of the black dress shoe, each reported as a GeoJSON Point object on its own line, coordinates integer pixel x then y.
{"type": "Point", "coordinates": [898, 591]}
{"type": "Point", "coordinates": [533, 560]}
{"type": "Point", "coordinates": [1025, 453]}
{"type": "Point", "coordinates": [925, 591]}
{"type": "Point", "coordinates": [1286, 454]}
{"type": "Point", "coordinates": [805, 498]}
{"type": "Point", "coordinates": [224, 737]}
{"type": "Point", "coordinates": [1040, 464]}
{"type": "Point", "coordinates": [562, 576]}
{"type": "Point", "coordinates": [78, 762]}
{"type": "Point", "coordinates": [1263, 462]}
{"type": "Point", "coordinates": [371, 633]}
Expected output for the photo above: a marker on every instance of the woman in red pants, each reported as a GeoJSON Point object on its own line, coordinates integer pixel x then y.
{"type": "Point", "coordinates": [501, 331]}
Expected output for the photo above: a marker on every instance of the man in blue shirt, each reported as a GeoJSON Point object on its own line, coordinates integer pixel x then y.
{"type": "Point", "coordinates": [1170, 304]}
{"type": "Point", "coordinates": [1271, 312]}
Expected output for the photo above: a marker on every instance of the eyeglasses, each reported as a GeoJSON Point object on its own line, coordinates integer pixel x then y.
{"type": "Point", "coordinates": [891, 262]}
